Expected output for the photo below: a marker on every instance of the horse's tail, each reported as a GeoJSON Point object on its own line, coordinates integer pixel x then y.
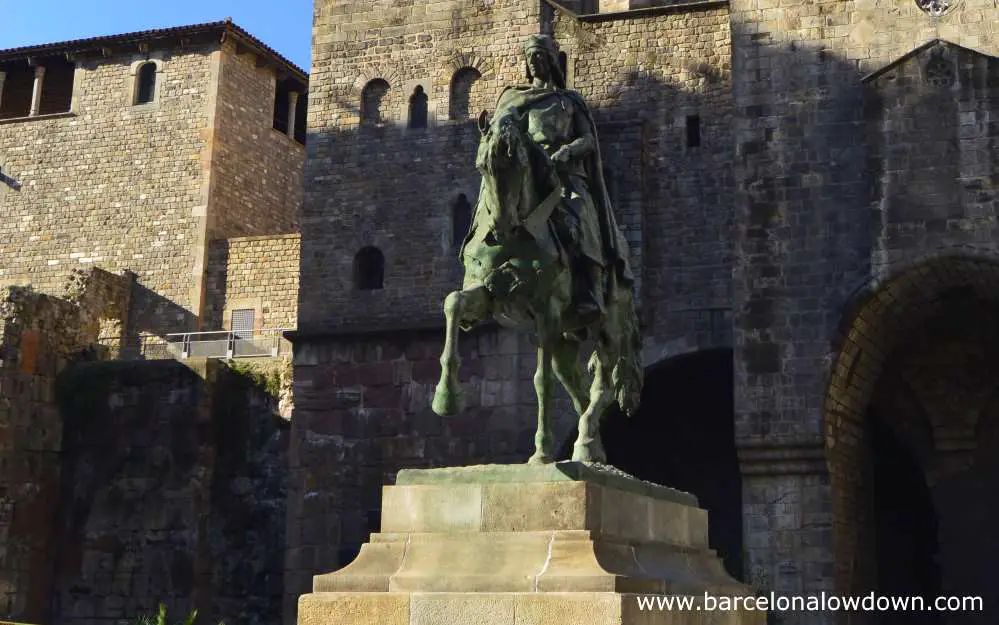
{"type": "Point", "coordinates": [628, 374]}
{"type": "Point", "coordinates": [625, 349]}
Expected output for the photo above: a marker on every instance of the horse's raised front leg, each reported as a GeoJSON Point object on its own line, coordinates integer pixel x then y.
{"type": "Point", "coordinates": [588, 447]}
{"type": "Point", "coordinates": [470, 305]}
{"type": "Point", "coordinates": [544, 440]}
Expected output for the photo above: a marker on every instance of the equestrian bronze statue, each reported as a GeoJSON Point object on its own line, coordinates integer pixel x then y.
{"type": "Point", "coordinates": [545, 256]}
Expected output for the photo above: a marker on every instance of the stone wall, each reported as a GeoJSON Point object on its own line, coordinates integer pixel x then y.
{"type": "Point", "coordinates": [156, 482]}
{"type": "Point", "coordinates": [174, 492]}
{"type": "Point", "coordinates": [145, 187]}
{"type": "Point", "coordinates": [256, 170]}
{"type": "Point", "coordinates": [362, 412]}
{"type": "Point", "coordinates": [118, 186]}
{"type": "Point", "coordinates": [385, 185]}
{"type": "Point", "coordinates": [107, 298]}
{"type": "Point", "coordinates": [812, 215]}
{"type": "Point", "coordinates": [38, 334]}
{"type": "Point", "coordinates": [653, 80]}
{"type": "Point", "coordinates": [253, 272]}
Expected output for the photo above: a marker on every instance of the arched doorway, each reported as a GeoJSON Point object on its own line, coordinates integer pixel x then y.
{"type": "Point", "coordinates": [683, 436]}
{"type": "Point", "coordinates": [911, 417]}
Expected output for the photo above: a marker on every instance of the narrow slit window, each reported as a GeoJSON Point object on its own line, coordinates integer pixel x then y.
{"type": "Point", "coordinates": [281, 105]}
{"type": "Point", "coordinates": [145, 91]}
{"type": "Point", "coordinates": [418, 105]}
{"type": "Point", "coordinates": [693, 131]}
{"type": "Point", "coordinates": [301, 117]}
{"type": "Point", "coordinates": [369, 269]}
{"type": "Point", "coordinates": [462, 88]}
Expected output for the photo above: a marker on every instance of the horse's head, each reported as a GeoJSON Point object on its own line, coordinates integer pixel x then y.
{"type": "Point", "coordinates": [504, 159]}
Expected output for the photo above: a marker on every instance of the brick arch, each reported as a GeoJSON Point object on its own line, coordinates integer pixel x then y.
{"type": "Point", "coordinates": [392, 104]}
{"type": "Point", "coordinates": [877, 319]}
{"type": "Point", "coordinates": [373, 73]}
{"type": "Point", "coordinates": [854, 298]}
{"type": "Point", "coordinates": [457, 61]}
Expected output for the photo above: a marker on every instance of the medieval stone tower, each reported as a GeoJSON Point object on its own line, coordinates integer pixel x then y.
{"type": "Point", "coordinates": [809, 194]}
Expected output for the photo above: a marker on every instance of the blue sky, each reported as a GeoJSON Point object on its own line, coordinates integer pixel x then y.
{"type": "Point", "coordinates": [285, 25]}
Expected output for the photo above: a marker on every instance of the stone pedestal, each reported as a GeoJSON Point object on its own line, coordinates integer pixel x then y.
{"type": "Point", "coordinates": [562, 544]}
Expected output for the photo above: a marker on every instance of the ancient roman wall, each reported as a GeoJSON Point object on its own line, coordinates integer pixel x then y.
{"type": "Point", "coordinates": [148, 476]}
{"type": "Point", "coordinates": [173, 491]}
{"type": "Point", "coordinates": [38, 334]}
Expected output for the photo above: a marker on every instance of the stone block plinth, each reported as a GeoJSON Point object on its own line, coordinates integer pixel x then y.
{"type": "Point", "coordinates": [528, 545]}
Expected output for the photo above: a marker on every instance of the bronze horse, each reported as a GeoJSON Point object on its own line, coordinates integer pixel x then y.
{"type": "Point", "coordinates": [518, 273]}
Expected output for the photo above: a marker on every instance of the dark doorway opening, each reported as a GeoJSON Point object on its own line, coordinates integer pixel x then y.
{"type": "Point", "coordinates": [905, 526]}
{"type": "Point", "coordinates": [683, 436]}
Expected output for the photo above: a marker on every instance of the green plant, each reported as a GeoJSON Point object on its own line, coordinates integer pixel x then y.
{"type": "Point", "coordinates": [161, 618]}
{"type": "Point", "coordinates": [268, 379]}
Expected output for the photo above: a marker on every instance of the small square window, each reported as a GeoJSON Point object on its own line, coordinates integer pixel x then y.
{"type": "Point", "coordinates": [242, 323]}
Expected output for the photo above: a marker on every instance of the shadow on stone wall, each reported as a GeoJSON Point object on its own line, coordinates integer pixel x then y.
{"type": "Point", "coordinates": [155, 316]}
{"type": "Point", "coordinates": [216, 284]}
{"type": "Point", "coordinates": [39, 334]}
{"type": "Point", "coordinates": [173, 491]}
{"type": "Point", "coordinates": [840, 177]}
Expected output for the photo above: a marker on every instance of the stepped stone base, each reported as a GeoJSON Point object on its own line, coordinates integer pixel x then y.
{"type": "Point", "coordinates": [560, 544]}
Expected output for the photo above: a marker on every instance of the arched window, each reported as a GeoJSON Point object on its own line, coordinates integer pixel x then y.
{"type": "Point", "coordinates": [462, 84]}
{"type": "Point", "coordinates": [369, 269]}
{"type": "Point", "coordinates": [418, 104]}
{"type": "Point", "coordinates": [461, 220]}
{"type": "Point", "coordinates": [145, 88]}
{"type": "Point", "coordinates": [372, 98]}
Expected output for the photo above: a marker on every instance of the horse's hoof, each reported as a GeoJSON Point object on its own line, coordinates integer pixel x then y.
{"type": "Point", "coordinates": [540, 458]}
{"type": "Point", "coordinates": [446, 403]}
{"type": "Point", "coordinates": [583, 453]}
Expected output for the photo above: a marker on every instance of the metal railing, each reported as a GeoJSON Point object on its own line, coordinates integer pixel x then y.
{"type": "Point", "coordinates": [267, 343]}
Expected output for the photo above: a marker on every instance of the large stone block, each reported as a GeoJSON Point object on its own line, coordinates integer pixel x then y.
{"type": "Point", "coordinates": [527, 545]}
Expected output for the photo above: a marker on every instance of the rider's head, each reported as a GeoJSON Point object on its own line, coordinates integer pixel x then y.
{"type": "Point", "coordinates": [541, 53]}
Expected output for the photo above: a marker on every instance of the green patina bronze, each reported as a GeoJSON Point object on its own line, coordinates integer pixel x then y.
{"type": "Point", "coordinates": [545, 256]}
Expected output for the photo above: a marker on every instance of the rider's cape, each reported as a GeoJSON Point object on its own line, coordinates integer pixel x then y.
{"type": "Point", "coordinates": [614, 245]}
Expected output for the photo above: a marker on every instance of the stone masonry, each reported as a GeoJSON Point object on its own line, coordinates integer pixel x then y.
{"type": "Point", "coordinates": [809, 191]}
{"type": "Point", "coordinates": [797, 182]}
{"type": "Point", "coordinates": [38, 335]}
{"type": "Point", "coordinates": [184, 508]}
{"type": "Point", "coordinates": [145, 187]}
{"type": "Point", "coordinates": [259, 273]}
